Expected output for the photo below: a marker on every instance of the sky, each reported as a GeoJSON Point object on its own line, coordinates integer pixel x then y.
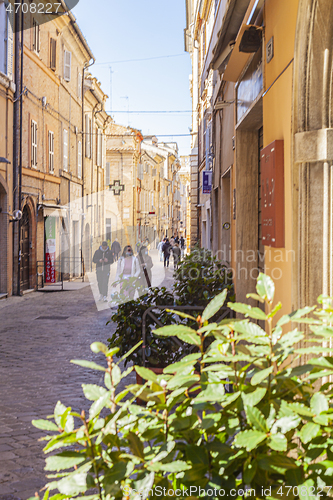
{"type": "Point", "coordinates": [123, 30]}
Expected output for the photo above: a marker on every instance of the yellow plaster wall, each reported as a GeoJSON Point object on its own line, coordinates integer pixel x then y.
{"type": "Point", "coordinates": [280, 22]}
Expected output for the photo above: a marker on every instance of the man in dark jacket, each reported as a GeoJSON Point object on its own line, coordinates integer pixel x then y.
{"type": "Point", "coordinates": [166, 248]}
{"type": "Point", "coordinates": [115, 249]}
{"type": "Point", "coordinates": [103, 259]}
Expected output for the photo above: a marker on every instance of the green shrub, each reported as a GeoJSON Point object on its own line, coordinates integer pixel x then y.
{"type": "Point", "coordinates": [200, 277]}
{"type": "Point", "coordinates": [273, 433]}
{"type": "Point", "coordinates": [159, 351]}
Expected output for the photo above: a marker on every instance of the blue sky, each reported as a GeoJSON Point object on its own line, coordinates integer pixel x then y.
{"type": "Point", "coordinates": [119, 30]}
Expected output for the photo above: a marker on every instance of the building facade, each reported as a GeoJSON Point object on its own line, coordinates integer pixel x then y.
{"type": "Point", "coordinates": [262, 117]}
{"type": "Point", "coordinates": [7, 91]}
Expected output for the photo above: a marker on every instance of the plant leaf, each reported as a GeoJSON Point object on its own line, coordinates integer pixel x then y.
{"type": "Point", "coordinates": [256, 418]}
{"type": "Point", "coordinates": [214, 306]}
{"type": "Point", "coordinates": [309, 431]}
{"type": "Point", "coordinates": [249, 439]}
{"type": "Point", "coordinates": [45, 425]}
{"type": "Point", "coordinates": [88, 364]}
{"type": "Point", "coordinates": [265, 287]}
{"type": "Point", "coordinates": [254, 397]}
{"type": "Point", "coordinates": [173, 330]}
{"type": "Point", "coordinates": [261, 376]}
{"type": "Point", "coordinates": [64, 460]}
{"type": "Point", "coordinates": [93, 392]}
{"type": "Point", "coordinates": [136, 445]}
{"type": "Point", "coordinates": [318, 403]}
{"type": "Point", "coordinates": [97, 347]}
{"type": "Point", "coordinates": [278, 442]}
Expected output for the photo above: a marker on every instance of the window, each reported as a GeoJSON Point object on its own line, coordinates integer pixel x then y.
{"type": "Point", "coordinates": [67, 65]}
{"type": "Point", "coordinates": [107, 174]}
{"type": "Point", "coordinates": [108, 229]}
{"type": "Point", "coordinates": [79, 85]}
{"type": "Point", "coordinates": [99, 139]}
{"type": "Point", "coordinates": [65, 150]}
{"type": "Point", "coordinates": [53, 54]}
{"type": "Point", "coordinates": [35, 36]}
{"type": "Point", "coordinates": [103, 151]}
{"type": "Point", "coordinates": [33, 144]}
{"type": "Point", "coordinates": [6, 40]}
{"type": "Point", "coordinates": [88, 133]}
{"type": "Point", "coordinates": [79, 159]}
{"type": "Point", "coordinates": [51, 151]}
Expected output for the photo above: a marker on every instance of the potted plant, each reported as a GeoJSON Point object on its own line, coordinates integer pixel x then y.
{"type": "Point", "coordinates": [159, 352]}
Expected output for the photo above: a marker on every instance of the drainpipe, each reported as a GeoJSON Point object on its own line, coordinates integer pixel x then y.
{"type": "Point", "coordinates": [17, 125]}
{"type": "Point", "coordinates": [83, 153]}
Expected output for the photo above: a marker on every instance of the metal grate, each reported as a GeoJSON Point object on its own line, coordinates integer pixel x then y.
{"type": "Point", "coordinates": [58, 318]}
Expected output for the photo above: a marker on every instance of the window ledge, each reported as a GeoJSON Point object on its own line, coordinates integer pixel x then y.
{"type": "Point", "coordinates": [7, 82]}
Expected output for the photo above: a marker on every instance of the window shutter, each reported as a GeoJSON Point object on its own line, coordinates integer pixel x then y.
{"type": "Point", "coordinates": [67, 65]}
{"type": "Point", "coordinates": [33, 144]}
{"type": "Point", "coordinates": [51, 151]}
{"type": "Point", "coordinates": [53, 54]}
{"type": "Point", "coordinates": [79, 85]}
{"type": "Point", "coordinates": [65, 150]}
{"type": "Point", "coordinates": [10, 44]}
{"type": "Point", "coordinates": [103, 151]}
{"type": "Point", "coordinates": [107, 174]}
{"type": "Point", "coordinates": [99, 148]}
{"type": "Point", "coordinates": [79, 159]}
{"type": "Point", "coordinates": [87, 132]}
{"type": "Point", "coordinates": [36, 33]}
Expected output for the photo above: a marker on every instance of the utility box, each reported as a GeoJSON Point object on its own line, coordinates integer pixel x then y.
{"type": "Point", "coordinates": [272, 194]}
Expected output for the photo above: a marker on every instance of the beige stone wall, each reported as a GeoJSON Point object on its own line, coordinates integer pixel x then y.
{"type": "Point", "coordinates": [6, 183]}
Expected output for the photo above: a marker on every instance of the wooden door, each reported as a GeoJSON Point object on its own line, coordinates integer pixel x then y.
{"type": "Point", "coordinates": [25, 250]}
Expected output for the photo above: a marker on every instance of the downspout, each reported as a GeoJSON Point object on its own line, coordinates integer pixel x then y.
{"type": "Point", "coordinates": [20, 163]}
{"type": "Point", "coordinates": [16, 153]}
{"type": "Point", "coordinates": [83, 154]}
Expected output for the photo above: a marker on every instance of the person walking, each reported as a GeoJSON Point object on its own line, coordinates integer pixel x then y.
{"type": "Point", "coordinates": [128, 267]}
{"type": "Point", "coordinates": [115, 249]}
{"type": "Point", "coordinates": [159, 248]}
{"type": "Point", "coordinates": [182, 246]}
{"type": "Point", "coordinates": [166, 251]}
{"type": "Point", "coordinates": [103, 259]}
{"type": "Point", "coordinates": [176, 255]}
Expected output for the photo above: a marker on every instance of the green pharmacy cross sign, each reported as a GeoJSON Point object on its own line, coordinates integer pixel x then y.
{"type": "Point", "coordinates": [117, 187]}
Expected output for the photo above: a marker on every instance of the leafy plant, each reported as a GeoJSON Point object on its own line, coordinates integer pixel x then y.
{"type": "Point", "coordinates": [188, 290]}
{"type": "Point", "coordinates": [159, 351]}
{"type": "Point", "coordinates": [272, 434]}
{"type": "Point", "coordinates": [200, 277]}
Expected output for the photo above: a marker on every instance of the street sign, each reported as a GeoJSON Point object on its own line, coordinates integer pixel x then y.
{"type": "Point", "coordinates": [207, 176]}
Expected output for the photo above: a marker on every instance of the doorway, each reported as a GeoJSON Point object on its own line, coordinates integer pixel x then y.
{"type": "Point", "coordinates": [25, 250]}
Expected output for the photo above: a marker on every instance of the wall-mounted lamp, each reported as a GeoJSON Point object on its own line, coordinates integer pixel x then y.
{"type": "Point", "coordinates": [16, 215]}
{"type": "Point", "coordinates": [4, 160]}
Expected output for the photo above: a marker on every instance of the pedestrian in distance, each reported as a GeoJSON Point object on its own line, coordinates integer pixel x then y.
{"type": "Point", "coordinates": [159, 248]}
{"type": "Point", "coordinates": [176, 255]}
{"type": "Point", "coordinates": [176, 239]}
{"type": "Point", "coordinates": [115, 249]}
{"type": "Point", "coordinates": [166, 249]}
{"type": "Point", "coordinates": [103, 260]}
{"type": "Point", "coordinates": [128, 267]}
{"type": "Point", "coordinates": [182, 246]}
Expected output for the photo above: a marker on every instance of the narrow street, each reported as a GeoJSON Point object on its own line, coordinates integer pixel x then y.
{"type": "Point", "coordinates": [39, 334]}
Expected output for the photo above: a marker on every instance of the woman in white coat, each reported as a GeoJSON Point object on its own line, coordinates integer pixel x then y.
{"type": "Point", "coordinates": [128, 267]}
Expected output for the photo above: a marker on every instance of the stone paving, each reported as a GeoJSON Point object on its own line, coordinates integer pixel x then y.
{"type": "Point", "coordinates": [35, 372]}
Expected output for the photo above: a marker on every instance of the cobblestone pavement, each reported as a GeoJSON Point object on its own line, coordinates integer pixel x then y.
{"type": "Point", "coordinates": [39, 334]}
